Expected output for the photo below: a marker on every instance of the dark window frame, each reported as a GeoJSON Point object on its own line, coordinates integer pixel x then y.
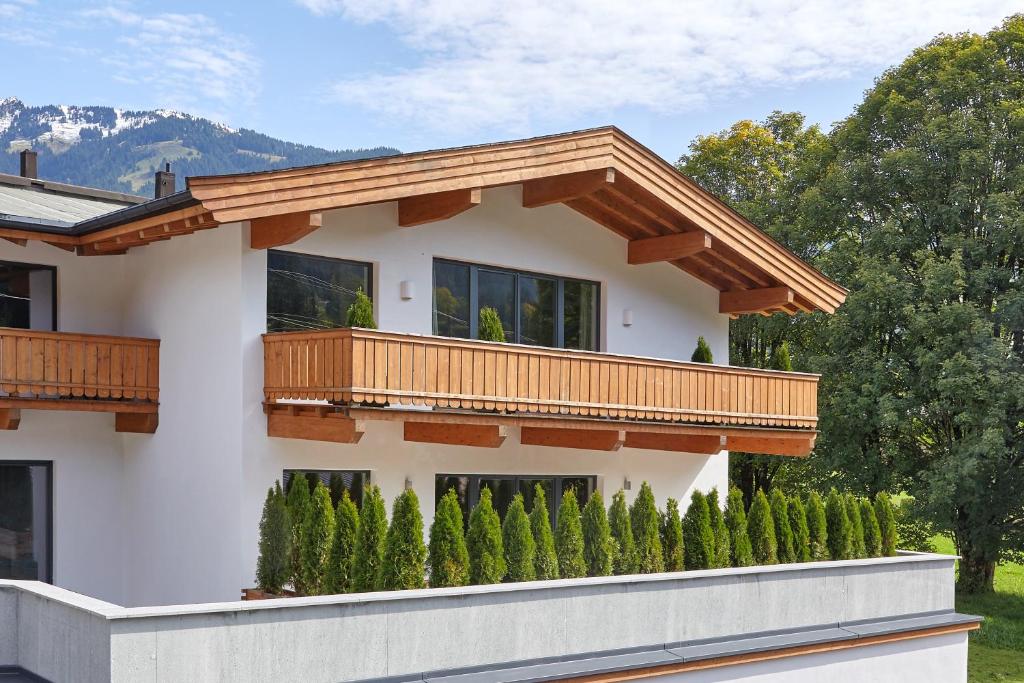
{"type": "Point", "coordinates": [48, 466]}
{"type": "Point", "coordinates": [53, 279]}
{"type": "Point", "coordinates": [292, 470]}
{"type": "Point", "coordinates": [474, 302]}
{"type": "Point", "coordinates": [555, 502]}
{"type": "Point", "coordinates": [369, 265]}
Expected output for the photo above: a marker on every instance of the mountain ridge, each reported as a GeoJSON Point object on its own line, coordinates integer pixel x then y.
{"type": "Point", "coordinates": [119, 149]}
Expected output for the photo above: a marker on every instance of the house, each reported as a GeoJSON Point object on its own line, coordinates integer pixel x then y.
{"type": "Point", "coordinates": [162, 363]}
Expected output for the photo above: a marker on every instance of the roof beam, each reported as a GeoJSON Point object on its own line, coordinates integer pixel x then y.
{"type": "Point", "coordinates": [587, 439]}
{"type": "Point", "coordinates": [754, 300]}
{"type": "Point", "coordinates": [799, 444]}
{"type": "Point", "coordinates": [332, 427]}
{"type": "Point", "coordinates": [707, 444]}
{"type": "Point", "coordinates": [668, 247]}
{"type": "Point", "coordinates": [20, 241]}
{"type": "Point", "coordinates": [276, 231]}
{"type": "Point", "coordinates": [456, 434]}
{"type": "Point", "coordinates": [437, 206]}
{"type": "Point", "coordinates": [562, 188]}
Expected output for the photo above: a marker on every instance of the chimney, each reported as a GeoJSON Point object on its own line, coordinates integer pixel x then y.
{"type": "Point", "coordinates": [29, 165]}
{"type": "Point", "coordinates": [164, 182]}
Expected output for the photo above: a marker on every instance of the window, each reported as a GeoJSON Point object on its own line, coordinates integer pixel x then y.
{"type": "Point", "coordinates": [26, 521]}
{"type": "Point", "coordinates": [28, 296]}
{"type": "Point", "coordinates": [541, 310]}
{"type": "Point", "coordinates": [336, 481]}
{"type": "Point", "coordinates": [505, 486]}
{"type": "Point", "coordinates": [311, 292]}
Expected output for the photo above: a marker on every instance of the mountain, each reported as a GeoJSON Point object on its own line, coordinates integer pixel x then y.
{"type": "Point", "coordinates": [118, 149]}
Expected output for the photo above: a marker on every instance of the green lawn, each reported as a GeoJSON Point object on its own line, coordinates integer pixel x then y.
{"type": "Point", "coordinates": [997, 649]}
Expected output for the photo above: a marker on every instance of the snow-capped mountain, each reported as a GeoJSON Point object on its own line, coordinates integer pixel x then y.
{"type": "Point", "coordinates": [119, 149]}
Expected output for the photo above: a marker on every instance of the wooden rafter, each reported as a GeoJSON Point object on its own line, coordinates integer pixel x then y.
{"type": "Point", "coordinates": [587, 439]}
{"type": "Point", "coordinates": [754, 300]}
{"type": "Point", "coordinates": [562, 188]}
{"type": "Point", "coordinates": [428, 208]}
{"type": "Point", "coordinates": [289, 422]}
{"type": "Point", "coordinates": [668, 247]}
{"type": "Point", "coordinates": [707, 444]}
{"type": "Point", "coordinates": [277, 231]}
{"type": "Point", "coordinates": [456, 434]}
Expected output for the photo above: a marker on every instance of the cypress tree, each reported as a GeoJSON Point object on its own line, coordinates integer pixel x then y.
{"type": "Point", "coordinates": [369, 554]}
{"type": "Point", "coordinates": [449, 559]}
{"type": "Point", "coordinates": [723, 548]}
{"type": "Point", "coordinates": [569, 538]}
{"type": "Point", "coordinates": [740, 551]}
{"type": "Point", "coordinates": [783, 532]}
{"type": "Point", "coordinates": [346, 530]}
{"type": "Point", "coordinates": [761, 528]}
{"type": "Point", "coordinates": [486, 554]}
{"type": "Point", "coordinates": [817, 528]}
{"type": "Point", "coordinates": [360, 312]}
{"type": "Point", "coordinates": [857, 548]}
{"type": "Point", "coordinates": [886, 523]}
{"type": "Point", "coordinates": [643, 516]}
{"type": "Point", "coordinates": [801, 533]}
{"type": "Point", "coordinates": [780, 359]}
{"type": "Point", "coordinates": [317, 535]}
{"type": "Point", "coordinates": [517, 537]}
{"type": "Point", "coordinates": [698, 537]}
{"type": "Point", "coordinates": [702, 354]}
{"type": "Point", "coordinates": [598, 546]}
{"type": "Point", "coordinates": [274, 563]}
{"type": "Point", "coordinates": [404, 553]}
{"type": "Point", "coordinates": [624, 559]}
{"type": "Point", "coordinates": [545, 561]}
{"type": "Point", "coordinates": [838, 525]}
{"type": "Point", "coordinates": [490, 325]}
{"type": "Point", "coordinates": [298, 511]}
{"type": "Point", "coordinates": [872, 530]}
{"type": "Point", "coordinates": [672, 537]}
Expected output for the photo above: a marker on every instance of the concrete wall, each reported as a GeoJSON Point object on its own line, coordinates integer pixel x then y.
{"type": "Point", "coordinates": [360, 636]}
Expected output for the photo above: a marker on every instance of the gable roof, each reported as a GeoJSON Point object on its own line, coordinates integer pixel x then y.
{"type": "Point", "coordinates": [31, 200]}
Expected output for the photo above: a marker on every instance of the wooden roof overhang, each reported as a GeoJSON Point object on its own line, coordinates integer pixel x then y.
{"type": "Point", "coordinates": [601, 173]}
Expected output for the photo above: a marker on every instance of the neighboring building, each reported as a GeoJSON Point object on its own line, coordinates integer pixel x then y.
{"type": "Point", "coordinates": [180, 355]}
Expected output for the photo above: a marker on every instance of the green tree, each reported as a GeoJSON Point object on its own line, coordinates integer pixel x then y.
{"type": "Point", "coordinates": [702, 354]}
{"type": "Point", "coordinates": [671, 529]}
{"type": "Point", "coordinates": [404, 553]}
{"type": "Point", "coordinates": [545, 560]}
{"type": "Point", "coordinates": [298, 510]}
{"type": "Point", "coordinates": [274, 564]}
{"type": "Point", "coordinates": [801, 532]}
{"type": "Point", "coordinates": [740, 551]}
{"type": "Point", "coordinates": [839, 534]}
{"type": "Point", "coordinates": [643, 517]}
{"type": "Point", "coordinates": [598, 546]}
{"type": "Point", "coordinates": [346, 530]}
{"type": "Point", "coordinates": [490, 325]}
{"type": "Point", "coordinates": [886, 523]}
{"type": "Point", "coordinates": [698, 536]}
{"type": "Point", "coordinates": [360, 312]}
{"type": "Point", "coordinates": [872, 530]}
{"type": "Point", "coordinates": [761, 528]}
{"type": "Point", "coordinates": [857, 547]}
{"type": "Point", "coordinates": [723, 546]}
{"type": "Point", "coordinates": [624, 560]}
{"type": "Point", "coordinates": [486, 553]}
{"type": "Point", "coordinates": [317, 535]}
{"type": "Point", "coordinates": [517, 539]}
{"type": "Point", "coordinates": [783, 532]}
{"type": "Point", "coordinates": [369, 553]}
{"type": "Point", "coordinates": [448, 556]}
{"type": "Point", "coordinates": [569, 538]}
{"type": "Point", "coordinates": [817, 528]}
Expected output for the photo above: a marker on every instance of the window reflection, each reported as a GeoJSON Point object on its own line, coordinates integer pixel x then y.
{"type": "Point", "coordinates": [311, 292]}
{"type": "Point", "coordinates": [498, 291]}
{"type": "Point", "coordinates": [25, 514]}
{"type": "Point", "coordinates": [451, 299]}
{"type": "Point", "coordinates": [537, 310]}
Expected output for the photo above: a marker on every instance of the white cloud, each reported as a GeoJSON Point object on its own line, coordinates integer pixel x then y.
{"type": "Point", "coordinates": [494, 62]}
{"type": "Point", "coordinates": [186, 60]}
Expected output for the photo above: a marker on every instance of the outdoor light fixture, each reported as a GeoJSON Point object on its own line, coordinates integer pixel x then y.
{"type": "Point", "coordinates": [627, 485]}
{"type": "Point", "coordinates": [627, 317]}
{"type": "Point", "coordinates": [408, 483]}
{"type": "Point", "coordinates": [407, 289]}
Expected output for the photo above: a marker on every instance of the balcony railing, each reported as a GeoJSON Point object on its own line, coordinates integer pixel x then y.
{"type": "Point", "coordinates": [66, 371]}
{"type": "Point", "coordinates": [353, 366]}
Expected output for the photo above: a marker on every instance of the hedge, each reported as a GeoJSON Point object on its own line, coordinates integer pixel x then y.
{"type": "Point", "coordinates": [448, 557]}
{"type": "Point", "coordinates": [486, 551]}
{"type": "Point", "coordinates": [517, 538]}
{"type": "Point", "coordinates": [671, 528]}
{"type": "Point", "coordinates": [569, 538]}
{"type": "Point", "coordinates": [643, 516]}
{"type": "Point", "coordinates": [598, 546]}
{"type": "Point", "coordinates": [624, 558]}
{"type": "Point", "coordinates": [698, 537]}
{"type": "Point", "coordinates": [545, 561]}
{"type": "Point", "coordinates": [723, 546]}
{"type": "Point", "coordinates": [405, 554]}
{"type": "Point", "coordinates": [740, 551]}
{"type": "Point", "coordinates": [273, 565]}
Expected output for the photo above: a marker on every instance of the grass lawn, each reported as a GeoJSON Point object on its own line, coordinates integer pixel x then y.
{"type": "Point", "coordinates": [997, 649]}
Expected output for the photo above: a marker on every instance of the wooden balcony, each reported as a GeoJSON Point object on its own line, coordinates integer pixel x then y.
{"type": "Point", "coordinates": [82, 372]}
{"type": "Point", "coordinates": [322, 385]}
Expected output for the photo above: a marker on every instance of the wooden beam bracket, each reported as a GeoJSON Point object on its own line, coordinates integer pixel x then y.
{"type": "Point", "coordinates": [138, 423]}
{"type": "Point", "coordinates": [668, 247]}
{"type": "Point", "coordinates": [439, 206]}
{"type": "Point", "coordinates": [332, 427]}
{"type": "Point", "coordinates": [456, 434]}
{"type": "Point", "coordinates": [277, 231]}
{"type": "Point", "coordinates": [564, 188]}
{"type": "Point", "coordinates": [586, 439]}
{"type": "Point", "coordinates": [742, 301]}
{"type": "Point", "coordinates": [707, 444]}
{"type": "Point", "coordinates": [10, 418]}
{"type": "Point", "coordinates": [800, 444]}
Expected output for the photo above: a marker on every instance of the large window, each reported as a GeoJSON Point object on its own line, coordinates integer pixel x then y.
{"type": "Point", "coordinates": [336, 481]}
{"type": "Point", "coordinates": [541, 310]}
{"type": "Point", "coordinates": [25, 521]}
{"type": "Point", "coordinates": [505, 486]}
{"type": "Point", "coordinates": [28, 296]}
{"type": "Point", "coordinates": [311, 292]}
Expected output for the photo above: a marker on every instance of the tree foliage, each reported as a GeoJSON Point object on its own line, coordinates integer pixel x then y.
{"type": "Point", "coordinates": [298, 510]}
{"type": "Point", "coordinates": [486, 551]}
{"type": "Point", "coordinates": [857, 546]}
{"type": "Point", "coordinates": [404, 553]}
{"type": "Point", "coordinates": [643, 517]}
{"type": "Point", "coordinates": [369, 552]}
{"type": "Point", "coordinates": [740, 551]}
{"type": "Point", "coordinates": [702, 354]}
{"type": "Point", "coordinates": [698, 536]}
{"type": "Point", "coordinates": [545, 560]}
{"type": "Point", "coordinates": [317, 535]}
{"type": "Point", "coordinates": [598, 546]}
{"type": "Point", "coordinates": [346, 530]}
{"type": "Point", "coordinates": [569, 538]}
{"type": "Point", "coordinates": [801, 532]}
{"type": "Point", "coordinates": [723, 546]}
{"type": "Point", "coordinates": [274, 564]}
{"type": "Point", "coordinates": [517, 539]}
{"type": "Point", "coordinates": [783, 531]}
{"type": "Point", "coordinates": [360, 312]}
{"type": "Point", "coordinates": [624, 559]}
{"type": "Point", "coordinates": [872, 530]}
{"type": "Point", "coordinates": [839, 535]}
{"type": "Point", "coordinates": [886, 523]}
{"type": "Point", "coordinates": [761, 529]}
{"type": "Point", "coordinates": [448, 557]}
{"type": "Point", "coordinates": [671, 529]}
{"type": "Point", "coordinates": [490, 328]}
{"type": "Point", "coordinates": [817, 527]}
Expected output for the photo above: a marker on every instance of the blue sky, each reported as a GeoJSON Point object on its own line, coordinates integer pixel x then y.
{"type": "Point", "coordinates": [420, 74]}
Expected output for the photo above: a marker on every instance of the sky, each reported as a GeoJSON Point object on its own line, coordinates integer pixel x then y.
{"type": "Point", "coordinates": [424, 74]}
